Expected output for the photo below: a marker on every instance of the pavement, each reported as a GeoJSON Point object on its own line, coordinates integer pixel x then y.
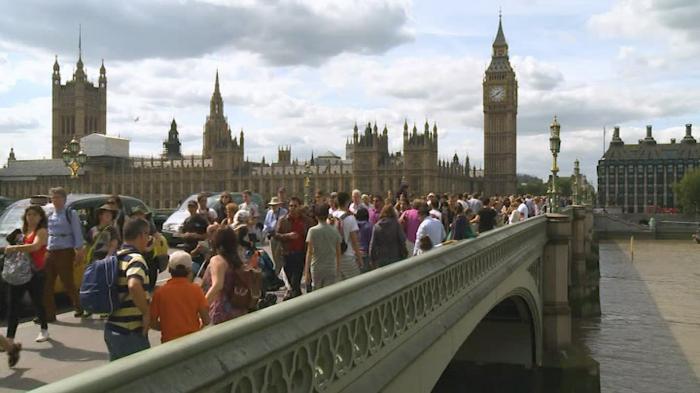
{"type": "Point", "coordinates": [76, 345]}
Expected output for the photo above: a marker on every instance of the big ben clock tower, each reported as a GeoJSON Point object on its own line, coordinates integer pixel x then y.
{"type": "Point", "coordinates": [500, 114]}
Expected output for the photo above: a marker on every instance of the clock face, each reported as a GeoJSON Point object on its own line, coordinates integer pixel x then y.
{"type": "Point", "coordinates": [497, 93]}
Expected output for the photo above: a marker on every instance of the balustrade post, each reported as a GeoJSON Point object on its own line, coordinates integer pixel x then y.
{"type": "Point", "coordinates": [578, 262]}
{"type": "Point", "coordinates": [555, 288]}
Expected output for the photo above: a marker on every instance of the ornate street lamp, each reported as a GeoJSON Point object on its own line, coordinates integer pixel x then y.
{"type": "Point", "coordinates": [307, 184]}
{"type": "Point", "coordinates": [554, 147]}
{"type": "Point", "coordinates": [74, 158]}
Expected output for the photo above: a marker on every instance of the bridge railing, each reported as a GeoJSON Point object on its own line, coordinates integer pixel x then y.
{"type": "Point", "coordinates": [324, 340]}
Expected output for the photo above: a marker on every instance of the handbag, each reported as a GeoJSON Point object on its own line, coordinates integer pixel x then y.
{"type": "Point", "coordinates": [17, 269]}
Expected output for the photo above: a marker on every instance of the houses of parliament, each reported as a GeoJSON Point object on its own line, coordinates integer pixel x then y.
{"type": "Point", "coordinates": [79, 111]}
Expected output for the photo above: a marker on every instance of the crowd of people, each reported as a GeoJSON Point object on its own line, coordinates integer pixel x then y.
{"type": "Point", "coordinates": [335, 237]}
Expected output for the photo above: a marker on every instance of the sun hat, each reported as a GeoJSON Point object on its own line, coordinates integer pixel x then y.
{"type": "Point", "coordinates": [274, 201]}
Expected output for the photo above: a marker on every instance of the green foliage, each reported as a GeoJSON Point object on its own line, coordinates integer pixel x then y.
{"type": "Point", "coordinates": [688, 191]}
{"type": "Point", "coordinates": [531, 185]}
{"type": "Point", "coordinates": [564, 186]}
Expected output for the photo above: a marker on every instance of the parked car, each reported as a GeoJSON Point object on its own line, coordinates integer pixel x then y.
{"type": "Point", "coordinates": [85, 205]}
{"type": "Point", "coordinates": [173, 224]}
{"type": "Point", "coordinates": [4, 203]}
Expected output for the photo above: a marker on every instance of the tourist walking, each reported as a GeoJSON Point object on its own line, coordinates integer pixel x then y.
{"type": "Point", "coordinates": [514, 216]}
{"type": "Point", "coordinates": [351, 258]}
{"type": "Point", "coordinates": [485, 217]}
{"type": "Point", "coordinates": [365, 234]}
{"type": "Point", "coordinates": [204, 210]}
{"type": "Point", "coordinates": [356, 203]}
{"type": "Point", "coordinates": [274, 213]}
{"type": "Point", "coordinates": [291, 232]}
{"type": "Point", "coordinates": [179, 307]}
{"type": "Point", "coordinates": [388, 243]}
{"type": "Point", "coordinates": [34, 239]}
{"type": "Point", "coordinates": [250, 206]}
{"type": "Point", "coordinates": [65, 248]}
{"type": "Point", "coordinates": [231, 210]}
{"type": "Point", "coordinates": [220, 209]}
{"type": "Point", "coordinates": [116, 202]}
{"type": "Point", "coordinates": [376, 209]}
{"type": "Point", "coordinates": [410, 220]}
{"type": "Point", "coordinates": [322, 251]}
{"type": "Point", "coordinates": [220, 277]}
{"type": "Point", "coordinates": [102, 239]}
{"type": "Point", "coordinates": [194, 232]}
{"type": "Point", "coordinates": [523, 210]}
{"type": "Point", "coordinates": [461, 228]}
{"type": "Point", "coordinates": [430, 227]}
{"type": "Point", "coordinates": [126, 330]}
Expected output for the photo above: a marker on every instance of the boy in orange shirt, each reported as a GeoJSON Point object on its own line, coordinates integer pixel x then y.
{"type": "Point", "coordinates": [179, 308]}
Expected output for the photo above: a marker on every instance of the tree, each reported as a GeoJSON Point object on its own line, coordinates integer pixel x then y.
{"type": "Point", "coordinates": [688, 191]}
{"type": "Point", "coordinates": [531, 185]}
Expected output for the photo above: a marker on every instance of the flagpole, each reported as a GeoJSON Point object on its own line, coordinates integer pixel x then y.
{"type": "Point", "coordinates": [604, 132]}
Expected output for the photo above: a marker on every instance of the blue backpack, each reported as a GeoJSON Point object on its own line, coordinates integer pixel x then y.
{"type": "Point", "coordinates": [98, 292]}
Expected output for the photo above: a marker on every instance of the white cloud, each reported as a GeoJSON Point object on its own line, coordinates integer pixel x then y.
{"type": "Point", "coordinates": [284, 32]}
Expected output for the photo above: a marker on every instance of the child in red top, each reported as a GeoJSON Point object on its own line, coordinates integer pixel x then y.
{"type": "Point", "coordinates": [179, 308]}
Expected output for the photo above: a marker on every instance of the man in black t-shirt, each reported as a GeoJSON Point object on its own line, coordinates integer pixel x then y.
{"type": "Point", "coordinates": [486, 216]}
{"type": "Point", "coordinates": [194, 230]}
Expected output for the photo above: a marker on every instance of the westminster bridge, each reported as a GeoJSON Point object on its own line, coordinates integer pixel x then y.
{"type": "Point", "coordinates": [506, 297]}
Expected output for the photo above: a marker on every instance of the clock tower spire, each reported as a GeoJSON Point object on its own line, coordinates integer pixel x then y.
{"type": "Point", "coordinates": [500, 118]}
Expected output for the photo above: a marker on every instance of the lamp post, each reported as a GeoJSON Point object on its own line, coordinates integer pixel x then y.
{"type": "Point", "coordinates": [307, 184]}
{"type": "Point", "coordinates": [74, 158]}
{"type": "Point", "coordinates": [554, 147]}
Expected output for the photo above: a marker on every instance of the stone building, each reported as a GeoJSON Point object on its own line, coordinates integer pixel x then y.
{"type": "Point", "coordinates": [500, 117]}
{"type": "Point", "coordinates": [639, 176]}
{"type": "Point", "coordinates": [163, 181]}
{"type": "Point", "coordinates": [79, 108]}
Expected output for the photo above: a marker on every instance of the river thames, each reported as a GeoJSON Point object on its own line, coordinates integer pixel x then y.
{"type": "Point", "coordinates": [647, 339]}
{"type": "Point", "coordinates": [648, 336]}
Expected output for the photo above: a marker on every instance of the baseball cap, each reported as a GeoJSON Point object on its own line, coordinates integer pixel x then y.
{"type": "Point", "coordinates": [180, 258]}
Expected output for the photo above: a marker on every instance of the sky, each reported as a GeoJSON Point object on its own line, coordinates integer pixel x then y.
{"type": "Point", "coordinates": [303, 72]}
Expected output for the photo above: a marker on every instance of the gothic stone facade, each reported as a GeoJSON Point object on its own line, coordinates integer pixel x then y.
{"type": "Point", "coordinates": [636, 176]}
{"type": "Point", "coordinates": [79, 108]}
{"type": "Point", "coordinates": [500, 113]}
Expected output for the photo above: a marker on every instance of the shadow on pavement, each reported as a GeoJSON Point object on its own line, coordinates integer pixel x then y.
{"type": "Point", "coordinates": [89, 323]}
{"type": "Point", "coordinates": [63, 353]}
{"type": "Point", "coordinates": [16, 381]}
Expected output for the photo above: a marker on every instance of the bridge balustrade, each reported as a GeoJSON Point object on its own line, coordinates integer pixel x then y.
{"type": "Point", "coordinates": [354, 335]}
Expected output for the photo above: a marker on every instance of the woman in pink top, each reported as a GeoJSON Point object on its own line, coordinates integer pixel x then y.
{"type": "Point", "coordinates": [410, 220]}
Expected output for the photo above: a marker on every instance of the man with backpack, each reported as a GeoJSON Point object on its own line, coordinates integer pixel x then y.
{"type": "Point", "coordinates": [126, 330]}
{"type": "Point", "coordinates": [351, 259]}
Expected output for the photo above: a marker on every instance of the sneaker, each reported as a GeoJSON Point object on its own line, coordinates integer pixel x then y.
{"type": "Point", "coordinates": [43, 336]}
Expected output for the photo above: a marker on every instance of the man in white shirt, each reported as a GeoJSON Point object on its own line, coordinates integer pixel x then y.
{"type": "Point", "coordinates": [430, 227]}
{"type": "Point", "coordinates": [475, 203]}
{"type": "Point", "coordinates": [351, 258]}
{"type": "Point", "coordinates": [357, 202]}
{"type": "Point", "coordinates": [204, 210]}
{"type": "Point", "coordinates": [523, 210]}
{"type": "Point", "coordinates": [250, 206]}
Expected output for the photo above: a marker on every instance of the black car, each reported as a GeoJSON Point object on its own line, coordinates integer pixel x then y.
{"type": "Point", "coordinates": [85, 205]}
